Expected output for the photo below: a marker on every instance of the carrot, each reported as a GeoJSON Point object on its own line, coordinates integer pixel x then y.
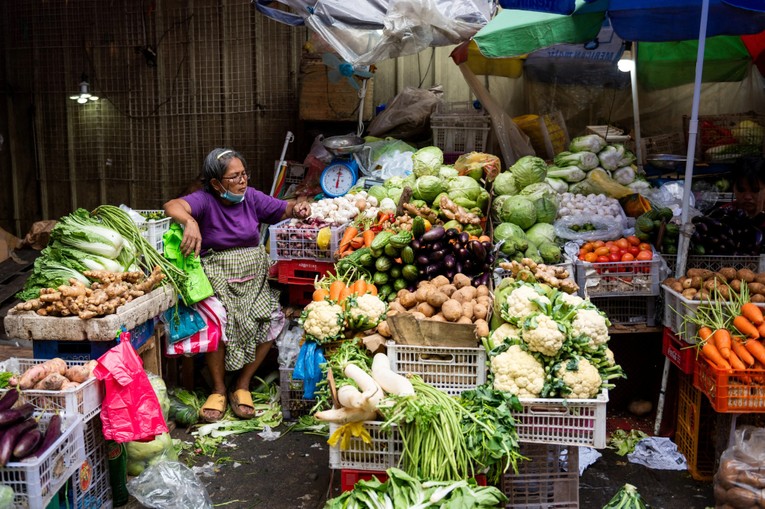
{"type": "Point", "coordinates": [735, 362]}
{"type": "Point", "coordinates": [742, 353]}
{"type": "Point", "coordinates": [345, 241]}
{"type": "Point", "coordinates": [711, 353]}
{"type": "Point", "coordinates": [320, 294]}
{"type": "Point", "coordinates": [372, 289]}
{"type": "Point", "coordinates": [359, 287]}
{"type": "Point", "coordinates": [756, 349]}
{"type": "Point", "coordinates": [357, 242]}
{"type": "Point", "coordinates": [761, 330]}
{"type": "Point", "coordinates": [753, 313]}
{"type": "Point", "coordinates": [746, 327]}
{"type": "Point", "coordinates": [722, 342]}
{"type": "Point", "coordinates": [347, 292]}
{"type": "Point", "coordinates": [335, 289]}
{"type": "Point", "coordinates": [705, 334]}
{"type": "Point", "coordinates": [368, 236]}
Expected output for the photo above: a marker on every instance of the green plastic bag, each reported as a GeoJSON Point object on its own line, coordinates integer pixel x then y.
{"type": "Point", "coordinates": [197, 287]}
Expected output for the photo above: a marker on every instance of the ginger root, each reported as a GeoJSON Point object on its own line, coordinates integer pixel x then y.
{"type": "Point", "coordinates": [453, 211]}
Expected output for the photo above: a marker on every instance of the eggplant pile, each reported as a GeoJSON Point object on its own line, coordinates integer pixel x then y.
{"type": "Point", "coordinates": [20, 435]}
{"type": "Point", "coordinates": [449, 252]}
{"type": "Point", "coordinates": [726, 231]}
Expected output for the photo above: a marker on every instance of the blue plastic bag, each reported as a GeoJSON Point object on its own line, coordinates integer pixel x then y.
{"type": "Point", "coordinates": [308, 367]}
{"type": "Point", "coordinates": [182, 322]}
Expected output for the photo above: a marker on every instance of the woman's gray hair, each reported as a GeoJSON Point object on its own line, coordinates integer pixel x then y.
{"type": "Point", "coordinates": [216, 163]}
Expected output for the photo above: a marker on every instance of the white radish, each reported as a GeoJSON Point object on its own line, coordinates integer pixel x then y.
{"type": "Point", "coordinates": [345, 415]}
{"type": "Point", "coordinates": [372, 392]}
{"type": "Point", "coordinates": [389, 380]}
{"type": "Point", "coordinates": [350, 397]}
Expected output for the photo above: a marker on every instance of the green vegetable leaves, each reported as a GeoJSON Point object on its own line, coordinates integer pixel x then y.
{"type": "Point", "coordinates": [624, 442]}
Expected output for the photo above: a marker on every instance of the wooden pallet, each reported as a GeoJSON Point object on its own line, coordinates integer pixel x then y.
{"type": "Point", "coordinates": [13, 274]}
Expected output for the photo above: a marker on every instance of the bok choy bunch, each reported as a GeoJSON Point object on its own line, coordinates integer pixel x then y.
{"type": "Point", "coordinates": [82, 232]}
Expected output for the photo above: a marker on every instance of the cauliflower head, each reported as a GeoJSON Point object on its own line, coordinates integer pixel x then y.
{"type": "Point", "coordinates": [518, 372]}
{"type": "Point", "coordinates": [503, 333]}
{"type": "Point", "coordinates": [584, 382]}
{"type": "Point", "coordinates": [322, 320]}
{"type": "Point", "coordinates": [367, 312]}
{"type": "Point", "coordinates": [541, 334]}
{"type": "Point", "coordinates": [592, 324]}
{"type": "Point", "coordinates": [569, 299]}
{"type": "Point", "coordinates": [520, 304]}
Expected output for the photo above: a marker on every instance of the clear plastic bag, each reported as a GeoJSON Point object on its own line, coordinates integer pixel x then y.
{"type": "Point", "coordinates": [289, 346]}
{"type": "Point", "coordinates": [408, 114]}
{"type": "Point", "coordinates": [740, 479]}
{"type": "Point", "coordinates": [169, 485]}
{"type": "Point", "coordinates": [605, 229]}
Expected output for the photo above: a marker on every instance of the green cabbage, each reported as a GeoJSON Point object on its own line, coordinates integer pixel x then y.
{"type": "Point", "coordinates": [447, 172]}
{"type": "Point", "coordinates": [519, 210]}
{"type": "Point", "coordinates": [394, 193]}
{"type": "Point", "coordinates": [532, 252]}
{"type": "Point", "coordinates": [378, 192]}
{"type": "Point", "coordinates": [427, 161]}
{"type": "Point", "coordinates": [529, 170]}
{"type": "Point", "coordinates": [463, 187]}
{"type": "Point", "coordinates": [394, 182]}
{"type": "Point", "coordinates": [541, 233]}
{"type": "Point", "coordinates": [538, 191]}
{"type": "Point", "coordinates": [504, 184]}
{"type": "Point", "coordinates": [427, 188]}
{"type": "Point", "coordinates": [512, 237]}
{"type": "Point", "coordinates": [496, 206]}
{"type": "Point", "coordinates": [547, 210]}
{"type": "Point", "coordinates": [590, 143]}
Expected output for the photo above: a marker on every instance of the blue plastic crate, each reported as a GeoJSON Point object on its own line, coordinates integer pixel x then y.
{"type": "Point", "coordinates": [87, 350]}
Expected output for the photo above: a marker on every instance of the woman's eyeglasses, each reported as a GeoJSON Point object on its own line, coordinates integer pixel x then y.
{"type": "Point", "coordinates": [242, 177]}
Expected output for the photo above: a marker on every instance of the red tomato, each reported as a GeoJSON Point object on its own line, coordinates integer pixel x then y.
{"type": "Point", "coordinates": [645, 246]}
{"type": "Point", "coordinates": [623, 243]}
{"type": "Point", "coordinates": [628, 257]}
{"type": "Point", "coordinates": [583, 251]}
{"type": "Point", "coordinates": [609, 243]}
{"type": "Point", "coordinates": [633, 250]}
{"type": "Point", "coordinates": [581, 256]}
{"type": "Point", "coordinates": [591, 257]}
{"type": "Point", "coordinates": [615, 249]}
{"type": "Point", "coordinates": [598, 243]}
{"type": "Point", "coordinates": [615, 257]}
{"type": "Point", "coordinates": [587, 247]}
{"type": "Point", "coordinates": [645, 255]}
{"type": "Point", "coordinates": [633, 240]}
{"type": "Point", "coordinates": [602, 259]}
{"type": "Point", "coordinates": [602, 251]}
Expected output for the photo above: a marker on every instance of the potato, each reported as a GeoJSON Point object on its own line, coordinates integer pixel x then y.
{"type": "Point", "coordinates": [702, 294]}
{"type": "Point", "coordinates": [397, 306]}
{"type": "Point", "coordinates": [760, 278]}
{"type": "Point", "coordinates": [439, 281]}
{"type": "Point", "coordinates": [459, 296]}
{"type": "Point", "coordinates": [482, 290]}
{"type": "Point", "coordinates": [448, 290]}
{"type": "Point", "coordinates": [735, 285]}
{"type": "Point", "coordinates": [465, 320]}
{"type": "Point", "coordinates": [670, 281]}
{"type": "Point", "coordinates": [461, 280]}
{"type": "Point", "coordinates": [423, 283]}
{"type": "Point", "coordinates": [384, 329]}
{"type": "Point", "coordinates": [703, 273]}
{"type": "Point", "coordinates": [677, 286]}
{"type": "Point", "coordinates": [436, 298]}
{"type": "Point", "coordinates": [426, 309]}
{"type": "Point", "coordinates": [470, 292]}
{"type": "Point", "coordinates": [393, 312]}
{"type": "Point", "coordinates": [452, 310]}
{"type": "Point", "coordinates": [723, 291]}
{"type": "Point", "coordinates": [711, 284]}
{"type": "Point", "coordinates": [438, 317]}
{"type": "Point", "coordinates": [418, 315]}
{"type": "Point", "coordinates": [756, 288]}
{"type": "Point", "coordinates": [481, 328]}
{"type": "Point", "coordinates": [757, 298]}
{"type": "Point", "coordinates": [467, 310]}
{"type": "Point", "coordinates": [686, 282]}
{"type": "Point", "coordinates": [484, 300]}
{"type": "Point", "coordinates": [746, 275]}
{"type": "Point", "coordinates": [728, 272]}
{"type": "Point", "coordinates": [480, 311]}
{"type": "Point", "coordinates": [688, 293]}
{"type": "Point", "coordinates": [696, 282]}
{"type": "Point", "coordinates": [422, 293]}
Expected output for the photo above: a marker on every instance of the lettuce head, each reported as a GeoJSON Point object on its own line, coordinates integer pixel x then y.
{"type": "Point", "coordinates": [519, 210]}
{"type": "Point", "coordinates": [505, 184]}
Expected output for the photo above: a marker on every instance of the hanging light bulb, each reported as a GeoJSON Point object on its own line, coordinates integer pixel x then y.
{"type": "Point", "coordinates": [626, 63]}
{"type": "Point", "coordinates": [84, 96]}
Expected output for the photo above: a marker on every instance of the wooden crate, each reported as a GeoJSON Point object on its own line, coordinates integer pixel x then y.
{"type": "Point", "coordinates": [322, 99]}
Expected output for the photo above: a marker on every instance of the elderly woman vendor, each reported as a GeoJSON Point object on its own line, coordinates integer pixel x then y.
{"type": "Point", "coordinates": [222, 223]}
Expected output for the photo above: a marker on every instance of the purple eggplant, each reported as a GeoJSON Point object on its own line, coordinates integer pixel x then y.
{"type": "Point", "coordinates": [437, 256]}
{"type": "Point", "coordinates": [458, 266]}
{"type": "Point", "coordinates": [423, 261]}
{"type": "Point", "coordinates": [52, 433]}
{"type": "Point", "coordinates": [416, 244]}
{"type": "Point", "coordinates": [28, 443]}
{"type": "Point", "coordinates": [434, 234]}
{"type": "Point", "coordinates": [464, 237]}
{"type": "Point", "coordinates": [13, 415]}
{"type": "Point", "coordinates": [10, 399]}
{"type": "Point", "coordinates": [452, 233]}
{"type": "Point", "coordinates": [463, 254]}
{"type": "Point", "coordinates": [478, 251]}
{"type": "Point", "coordinates": [449, 262]}
{"type": "Point", "coordinates": [8, 442]}
{"type": "Point", "coordinates": [437, 246]}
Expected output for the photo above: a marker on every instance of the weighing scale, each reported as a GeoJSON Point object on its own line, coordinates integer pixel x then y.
{"type": "Point", "coordinates": [341, 174]}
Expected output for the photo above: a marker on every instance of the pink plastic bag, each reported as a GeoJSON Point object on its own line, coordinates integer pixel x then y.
{"type": "Point", "coordinates": [131, 410]}
{"type": "Point", "coordinates": [206, 340]}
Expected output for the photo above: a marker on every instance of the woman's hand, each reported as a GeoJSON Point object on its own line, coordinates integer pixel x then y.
{"type": "Point", "coordinates": [192, 238]}
{"type": "Point", "coordinates": [301, 210]}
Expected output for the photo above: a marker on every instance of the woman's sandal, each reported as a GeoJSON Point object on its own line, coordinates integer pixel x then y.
{"type": "Point", "coordinates": [216, 402]}
{"type": "Point", "coordinates": [241, 397]}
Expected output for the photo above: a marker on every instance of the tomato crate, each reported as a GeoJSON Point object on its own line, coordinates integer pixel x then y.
{"type": "Point", "coordinates": [716, 262]}
{"type": "Point", "coordinates": [383, 453]}
{"type": "Point", "coordinates": [83, 400]}
{"type": "Point", "coordinates": [619, 279]}
{"type": "Point", "coordinates": [299, 295]}
{"type": "Point", "coordinates": [291, 393]}
{"type": "Point", "coordinates": [460, 127]}
{"type": "Point", "coordinates": [629, 310]}
{"type": "Point", "coordinates": [548, 479]}
{"type": "Point", "coordinates": [288, 241]}
{"type": "Point", "coordinates": [677, 308]}
{"type": "Point", "coordinates": [695, 433]}
{"type": "Point", "coordinates": [563, 421]}
{"type": "Point", "coordinates": [450, 369]}
{"type": "Point", "coordinates": [36, 481]}
{"type": "Point", "coordinates": [678, 352]}
{"type": "Point", "coordinates": [731, 391]}
{"type": "Point", "coordinates": [303, 272]}
{"type": "Point", "coordinates": [153, 229]}
{"type": "Point", "coordinates": [349, 477]}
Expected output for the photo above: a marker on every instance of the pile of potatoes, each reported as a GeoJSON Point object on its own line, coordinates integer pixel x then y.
{"type": "Point", "coordinates": [456, 301]}
{"type": "Point", "coordinates": [725, 284]}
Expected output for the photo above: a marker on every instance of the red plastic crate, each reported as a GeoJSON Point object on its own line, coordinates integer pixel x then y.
{"type": "Point", "coordinates": [680, 353]}
{"type": "Point", "coordinates": [300, 295]}
{"type": "Point", "coordinates": [731, 391]}
{"type": "Point", "coordinates": [303, 272]}
{"type": "Point", "coordinates": [349, 477]}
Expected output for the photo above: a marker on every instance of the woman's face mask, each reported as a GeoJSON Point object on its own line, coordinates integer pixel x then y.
{"type": "Point", "coordinates": [236, 179]}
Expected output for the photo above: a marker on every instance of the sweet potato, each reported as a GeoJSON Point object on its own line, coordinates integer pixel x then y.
{"type": "Point", "coordinates": [36, 373]}
{"type": "Point", "coordinates": [52, 382]}
{"type": "Point", "coordinates": [79, 374]}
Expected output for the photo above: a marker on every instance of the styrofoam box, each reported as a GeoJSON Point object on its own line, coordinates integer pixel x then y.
{"type": "Point", "coordinates": [383, 453]}
{"type": "Point", "coordinates": [35, 482]}
{"type": "Point", "coordinates": [84, 400]}
{"type": "Point", "coordinates": [563, 421]}
{"type": "Point", "coordinates": [449, 369]}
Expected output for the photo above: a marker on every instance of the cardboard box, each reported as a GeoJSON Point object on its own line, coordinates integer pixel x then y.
{"type": "Point", "coordinates": [408, 330]}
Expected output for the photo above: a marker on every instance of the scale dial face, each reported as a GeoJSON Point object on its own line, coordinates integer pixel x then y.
{"type": "Point", "coordinates": [337, 179]}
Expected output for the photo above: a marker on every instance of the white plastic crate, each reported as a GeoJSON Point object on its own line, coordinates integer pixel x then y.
{"type": "Point", "coordinates": [548, 479]}
{"type": "Point", "coordinates": [676, 308]}
{"type": "Point", "coordinates": [460, 127]}
{"type": "Point", "coordinates": [450, 369]}
{"type": "Point", "coordinates": [84, 400]}
{"type": "Point", "coordinates": [36, 481]}
{"type": "Point", "coordinates": [716, 262]}
{"type": "Point", "coordinates": [619, 279]}
{"type": "Point", "coordinates": [90, 485]}
{"type": "Point", "coordinates": [563, 421]}
{"type": "Point", "coordinates": [629, 310]}
{"type": "Point", "coordinates": [291, 392]}
{"type": "Point", "coordinates": [295, 243]}
{"type": "Point", "coordinates": [383, 453]}
{"type": "Point", "coordinates": [153, 229]}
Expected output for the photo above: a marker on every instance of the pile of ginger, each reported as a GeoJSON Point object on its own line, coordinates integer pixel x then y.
{"type": "Point", "coordinates": [109, 291]}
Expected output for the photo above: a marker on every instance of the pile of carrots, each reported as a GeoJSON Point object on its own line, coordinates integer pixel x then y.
{"type": "Point", "coordinates": [734, 342]}
{"type": "Point", "coordinates": [339, 290]}
{"type": "Point", "coordinates": [361, 234]}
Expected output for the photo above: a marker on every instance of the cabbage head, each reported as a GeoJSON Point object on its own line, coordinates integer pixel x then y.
{"type": "Point", "coordinates": [513, 238]}
{"type": "Point", "coordinates": [547, 210]}
{"type": "Point", "coordinates": [463, 187]}
{"type": "Point", "coordinates": [496, 206]}
{"type": "Point", "coordinates": [447, 172]}
{"type": "Point", "coordinates": [504, 184]}
{"type": "Point", "coordinates": [541, 233]}
{"type": "Point", "coordinates": [427, 188]}
{"type": "Point", "coordinates": [378, 192]}
{"type": "Point", "coordinates": [394, 193]}
{"type": "Point", "coordinates": [427, 161]}
{"type": "Point", "coordinates": [538, 191]}
{"type": "Point", "coordinates": [529, 170]}
{"type": "Point", "coordinates": [519, 210]}
{"type": "Point", "coordinates": [394, 182]}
